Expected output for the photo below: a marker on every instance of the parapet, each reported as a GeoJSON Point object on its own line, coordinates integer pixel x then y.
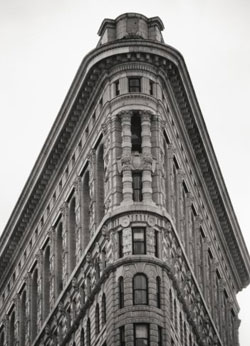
{"type": "Point", "coordinates": [131, 26]}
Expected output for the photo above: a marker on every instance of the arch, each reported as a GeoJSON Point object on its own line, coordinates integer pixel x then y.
{"type": "Point", "coordinates": [46, 282]}
{"type": "Point", "coordinates": [72, 234]}
{"type": "Point", "coordinates": [99, 184]}
{"type": "Point", "coordinates": [86, 209]}
{"type": "Point", "coordinates": [104, 311]}
{"type": "Point", "coordinates": [34, 305]}
{"type": "Point", "coordinates": [140, 289]}
{"type": "Point", "coordinates": [121, 292]}
{"type": "Point", "coordinates": [59, 258]}
{"type": "Point", "coordinates": [97, 319]}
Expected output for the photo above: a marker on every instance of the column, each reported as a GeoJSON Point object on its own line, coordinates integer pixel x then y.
{"type": "Point", "coordinates": [92, 188]}
{"type": "Point", "coordinates": [65, 231]}
{"type": "Point", "coordinates": [126, 157]}
{"type": "Point", "coordinates": [114, 126]}
{"type": "Point", "coordinates": [147, 157]}
{"type": "Point", "coordinates": [78, 208]}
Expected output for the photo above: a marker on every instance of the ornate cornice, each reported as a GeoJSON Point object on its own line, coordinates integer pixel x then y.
{"type": "Point", "coordinates": [94, 66]}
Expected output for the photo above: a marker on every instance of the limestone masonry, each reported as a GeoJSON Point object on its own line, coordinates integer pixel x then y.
{"type": "Point", "coordinates": [124, 233]}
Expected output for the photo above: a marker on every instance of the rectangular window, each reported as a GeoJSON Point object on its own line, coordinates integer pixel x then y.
{"type": "Point", "coordinates": [136, 131]}
{"type": "Point", "coordinates": [122, 335]}
{"type": "Point", "coordinates": [120, 244]}
{"type": "Point", "coordinates": [134, 84]}
{"type": "Point", "coordinates": [139, 241]}
{"type": "Point", "coordinates": [151, 87]}
{"type": "Point", "coordinates": [156, 244]}
{"type": "Point", "coordinates": [117, 88]}
{"type": "Point", "coordinates": [137, 186]}
{"type": "Point", "coordinates": [141, 334]}
{"type": "Point", "coordinates": [160, 336]}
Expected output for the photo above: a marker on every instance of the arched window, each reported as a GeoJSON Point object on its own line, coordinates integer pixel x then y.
{"type": "Point", "coordinates": [140, 289]}
{"type": "Point", "coordinates": [86, 210]}
{"type": "Point", "coordinates": [104, 317]}
{"type": "Point", "coordinates": [171, 305]}
{"type": "Point", "coordinates": [158, 292]}
{"type": "Point", "coordinates": [121, 292]}
{"type": "Point", "coordinates": [59, 259]}
{"type": "Point", "coordinates": [82, 338]}
{"type": "Point", "coordinates": [100, 184]}
{"type": "Point", "coordinates": [34, 291]}
{"type": "Point", "coordinates": [72, 234]}
{"type": "Point", "coordinates": [88, 333]}
{"type": "Point", "coordinates": [12, 328]}
{"type": "Point", "coordinates": [97, 319]}
{"type": "Point", "coordinates": [23, 318]}
{"type": "Point", "coordinates": [46, 282]}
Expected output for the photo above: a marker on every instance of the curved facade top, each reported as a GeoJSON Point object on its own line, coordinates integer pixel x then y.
{"type": "Point", "coordinates": [124, 233]}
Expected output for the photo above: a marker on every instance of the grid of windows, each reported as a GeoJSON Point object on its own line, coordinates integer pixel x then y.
{"type": "Point", "coordinates": [139, 241]}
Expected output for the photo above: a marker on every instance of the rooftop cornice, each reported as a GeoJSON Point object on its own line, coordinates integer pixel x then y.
{"type": "Point", "coordinates": [94, 64]}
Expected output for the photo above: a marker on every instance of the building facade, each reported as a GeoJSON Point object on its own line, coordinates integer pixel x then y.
{"type": "Point", "coordinates": [124, 233]}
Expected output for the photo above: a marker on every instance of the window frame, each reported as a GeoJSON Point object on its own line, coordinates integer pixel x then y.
{"type": "Point", "coordinates": [134, 88]}
{"type": "Point", "coordinates": [141, 290]}
{"type": "Point", "coordinates": [134, 242]}
{"type": "Point", "coordinates": [146, 325]}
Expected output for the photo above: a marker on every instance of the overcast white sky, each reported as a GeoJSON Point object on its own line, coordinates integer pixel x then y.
{"type": "Point", "coordinates": [43, 42]}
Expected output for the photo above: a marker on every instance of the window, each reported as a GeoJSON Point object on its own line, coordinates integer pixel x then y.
{"type": "Point", "coordinates": [175, 316]}
{"type": "Point", "coordinates": [158, 292]}
{"type": "Point", "coordinates": [117, 88]}
{"type": "Point", "coordinates": [12, 329]}
{"type": "Point", "coordinates": [88, 333]}
{"type": "Point", "coordinates": [151, 87]}
{"type": "Point", "coordinates": [121, 292]}
{"type": "Point", "coordinates": [136, 131]}
{"type": "Point", "coordinates": [160, 336]}
{"type": "Point", "coordinates": [140, 289]}
{"type": "Point", "coordinates": [137, 186]}
{"type": "Point", "coordinates": [156, 244]}
{"type": "Point", "coordinates": [181, 327]}
{"type": "Point", "coordinates": [171, 305]}
{"type": "Point", "coordinates": [34, 295]}
{"type": "Point", "coordinates": [134, 84]}
{"type": "Point", "coordinates": [82, 338]}
{"type": "Point", "coordinates": [120, 244]}
{"type": "Point", "coordinates": [59, 258]}
{"type": "Point", "coordinates": [23, 318]}
{"type": "Point", "coordinates": [139, 241]}
{"type": "Point", "coordinates": [97, 320]}
{"type": "Point", "coordinates": [2, 342]}
{"type": "Point", "coordinates": [141, 334]}
{"type": "Point", "coordinates": [72, 234]}
{"type": "Point", "coordinates": [46, 282]}
{"type": "Point", "coordinates": [104, 312]}
{"type": "Point", "coordinates": [122, 335]}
